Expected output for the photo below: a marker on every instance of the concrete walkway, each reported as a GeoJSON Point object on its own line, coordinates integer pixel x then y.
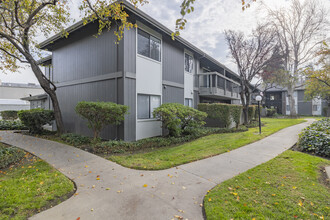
{"type": "Point", "coordinates": [123, 193]}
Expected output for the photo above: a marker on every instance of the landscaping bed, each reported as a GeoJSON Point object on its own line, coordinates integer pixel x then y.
{"type": "Point", "coordinates": [29, 185]}
{"type": "Point", "coordinates": [201, 148]}
{"type": "Point", "coordinates": [291, 186]}
{"type": "Point", "coordinates": [315, 139]}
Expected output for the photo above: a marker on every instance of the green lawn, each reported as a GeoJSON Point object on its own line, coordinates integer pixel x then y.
{"type": "Point", "coordinates": [201, 148]}
{"type": "Point", "coordinates": [287, 187]}
{"type": "Point", "coordinates": [30, 187]}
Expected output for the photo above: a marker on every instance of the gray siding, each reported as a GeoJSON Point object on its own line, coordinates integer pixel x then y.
{"type": "Point", "coordinates": [173, 95]}
{"type": "Point", "coordinates": [97, 91]}
{"type": "Point", "coordinates": [196, 99]}
{"type": "Point", "coordinates": [130, 100]}
{"type": "Point", "coordinates": [173, 62]}
{"type": "Point", "coordinates": [304, 107]}
{"type": "Point", "coordinates": [85, 57]}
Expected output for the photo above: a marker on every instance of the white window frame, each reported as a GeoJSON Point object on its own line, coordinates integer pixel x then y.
{"type": "Point", "coordinates": [193, 63]}
{"type": "Point", "coordinates": [150, 35]}
{"type": "Point", "coordinates": [149, 106]}
{"type": "Point", "coordinates": [190, 101]}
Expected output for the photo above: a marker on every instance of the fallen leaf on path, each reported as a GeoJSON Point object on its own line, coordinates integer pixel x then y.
{"type": "Point", "coordinates": [145, 185]}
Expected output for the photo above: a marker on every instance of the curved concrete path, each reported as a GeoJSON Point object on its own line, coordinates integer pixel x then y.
{"type": "Point", "coordinates": [121, 193]}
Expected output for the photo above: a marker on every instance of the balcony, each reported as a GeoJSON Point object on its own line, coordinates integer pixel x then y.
{"type": "Point", "coordinates": [216, 85]}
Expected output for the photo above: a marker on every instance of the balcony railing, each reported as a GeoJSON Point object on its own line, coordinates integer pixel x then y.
{"type": "Point", "coordinates": [216, 85]}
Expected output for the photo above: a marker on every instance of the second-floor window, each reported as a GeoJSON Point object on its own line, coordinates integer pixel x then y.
{"type": "Point", "coordinates": [188, 63]}
{"type": "Point", "coordinates": [148, 45]}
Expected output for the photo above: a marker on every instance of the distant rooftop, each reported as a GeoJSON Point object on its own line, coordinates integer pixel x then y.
{"type": "Point", "coordinates": [19, 85]}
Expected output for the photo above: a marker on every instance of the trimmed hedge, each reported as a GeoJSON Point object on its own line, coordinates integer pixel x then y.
{"type": "Point", "coordinates": [34, 119]}
{"type": "Point", "coordinates": [113, 147]}
{"type": "Point", "coordinates": [179, 119]}
{"type": "Point", "coordinates": [270, 112]}
{"type": "Point", "coordinates": [225, 113]}
{"type": "Point", "coordinates": [252, 112]}
{"type": "Point", "coordinates": [75, 139]}
{"type": "Point", "coordinates": [9, 115]}
{"type": "Point", "coordinates": [12, 125]}
{"type": "Point", "coordinates": [9, 155]}
{"type": "Point", "coordinates": [100, 114]}
{"type": "Point", "coordinates": [316, 138]}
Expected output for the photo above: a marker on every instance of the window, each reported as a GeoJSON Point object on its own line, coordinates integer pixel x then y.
{"type": "Point", "coordinates": [188, 102]}
{"type": "Point", "coordinates": [148, 45]}
{"type": "Point", "coordinates": [146, 105]}
{"type": "Point", "coordinates": [188, 63]}
{"type": "Point", "coordinates": [315, 108]}
{"type": "Point", "coordinates": [288, 108]}
{"type": "Point", "coordinates": [206, 81]}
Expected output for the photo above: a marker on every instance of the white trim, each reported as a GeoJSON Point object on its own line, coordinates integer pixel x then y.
{"type": "Point", "coordinates": [148, 30]}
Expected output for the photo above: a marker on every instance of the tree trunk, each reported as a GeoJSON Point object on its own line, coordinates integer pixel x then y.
{"type": "Point", "coordinates": [246, 114]}
{"type": "Point", "coordinates": [293, 113]}
{"type": "Point", "coordinates": [46, 85]}
{"type": "Point", "coordinates": [328, 110]}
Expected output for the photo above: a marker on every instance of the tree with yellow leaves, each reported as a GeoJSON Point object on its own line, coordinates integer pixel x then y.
{"type": "Point", "coordinates": [318, 80]}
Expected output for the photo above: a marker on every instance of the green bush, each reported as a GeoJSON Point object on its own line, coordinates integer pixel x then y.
{"type": "Point", "coordinates": [12, 125]}
{"type": "Point", "coordinates": [75, 139]}
{"type": "Point", "coordinates": [270, 112]}
{"type": "Point", "coordinates": [252, 112]}
{"type": "Point", "coordinates": [224, 113]}
{"type": "Point", "coordinates": [9, 115]}
{"type": "Point", "coordinates": [9, 155]}
{"type": "Point", "coordinates": [34, 119]}
{"type": "Point", "coordinates": [316, 138]}
{"type": "Point", "coordinates": [113, 147]}
{"type": "Point", "coordinates": [100, 114]}
{"type": "Point", "coordinates": [236, 112]}
{"type": "Point", "coordinates": [179, 119]}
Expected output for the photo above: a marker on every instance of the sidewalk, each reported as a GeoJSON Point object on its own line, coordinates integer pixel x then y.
{"type": "Point", "coordinates": [123, 193]}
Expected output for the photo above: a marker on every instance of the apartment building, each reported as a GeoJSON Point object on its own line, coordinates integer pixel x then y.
{"type": "Point", "coordinates": [147, 68]}
{"type": "Point", "coordinates": [278, 98]}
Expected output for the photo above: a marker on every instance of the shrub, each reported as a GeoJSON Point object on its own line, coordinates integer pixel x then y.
{"type": "Point", "coordinates": [112, 147]}
{"type": "Point", "coordinates": [252, 112]}
{"type": "Point", "coordinates": [316, 138]}
{"type": "Point", "coordinates": [9, 155]}
{"type": "Point", "coordinates": [236, 112]}
{"type": "Point", "coordinates": [100, 114]}
{"type": "Point", "coordinates": [12, 125]}
{"type": "Point", "coordinates": [75, 139]}
{"type": "Point", "coordinates": [224, 113]}
{"type": "Point", "coordinates": [178, 118]}
{"type": "Point", "coordinates": [34, 119]}
{"type": "Point", "coordinates": [217, 111]}
{"type": "Point", "coordinates": [271, 112]}
{"type": "Point", "coordinates": [9, 115]}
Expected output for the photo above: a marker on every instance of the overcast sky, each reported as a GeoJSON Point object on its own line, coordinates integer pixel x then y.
{"type": "Point", "coordinates": [204, 29]}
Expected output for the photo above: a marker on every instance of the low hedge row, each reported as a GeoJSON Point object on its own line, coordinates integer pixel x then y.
{"type": "Point", "coordinates": [75, 139]}
{"type": "Point", "coordinates": [9, 155]}
{"type": "Point", "coordinates": [316, 138]}
{"type": "Point", "coordinates": [9, 115]}
{"type": "Point", "coordinates": [12, 125]}
{"type": "Point", "coordinates": [113, 147]}
{"type": "Point", "coordinates": [34, 119]}
{"type": "Point", "coordinates": [225, 113]}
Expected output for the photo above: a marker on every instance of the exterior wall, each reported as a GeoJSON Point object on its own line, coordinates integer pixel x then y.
{"type": "Point", "coordinates": [85, 69]}
{"type": "Point", "coordinates": [173, 95]}
{"type": "Point", "coordinates": [85, 57]}
{"type": "Point", "coordinates": [148, 82]}
{"type": "Point", "coordinates": [173, 62]}
{"type": "Point", "coordinates": [304, 107]}
{"type": "Point", "coordinates": [69, 96]}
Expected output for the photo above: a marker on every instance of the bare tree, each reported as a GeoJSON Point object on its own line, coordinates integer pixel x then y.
{"type": "Point", "coordinates": [297, 29]}
{"type": "Point", "coordinates": [251, 55]}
